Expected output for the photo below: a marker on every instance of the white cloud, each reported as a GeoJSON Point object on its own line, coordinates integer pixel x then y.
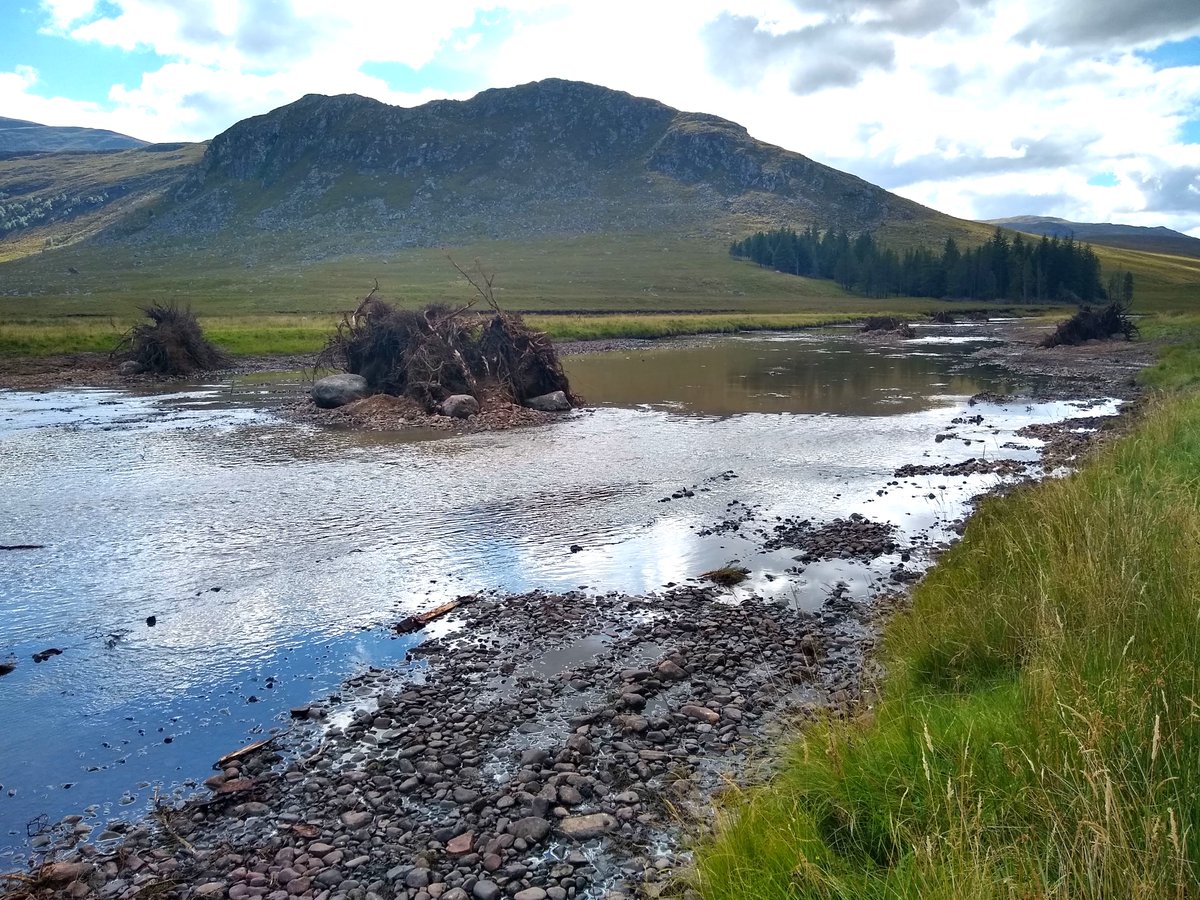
{"type": "Point", "coordinates": [977, 107]}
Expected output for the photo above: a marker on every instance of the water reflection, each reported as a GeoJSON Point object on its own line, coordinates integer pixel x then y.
{"type": "Point", "coordinates": [752, 374]}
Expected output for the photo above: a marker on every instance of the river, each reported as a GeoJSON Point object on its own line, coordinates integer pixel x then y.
{"type": "Point", "coordinates": [271, 556]}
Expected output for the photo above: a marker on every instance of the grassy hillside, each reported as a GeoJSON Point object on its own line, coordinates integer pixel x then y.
{"type": "Point", "coordinates": [21, 136]}
{"type": "Point", "coordinates": [54, 199]}
{"type": "Point", "coordinates": [1125, 237]}
{"type": "Point", "coordinates": [617, 285]}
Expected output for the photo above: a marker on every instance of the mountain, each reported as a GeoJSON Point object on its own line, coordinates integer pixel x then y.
{"type": "Point", "coordinates": [19, 136]}
{"type": "Point", "coordinates": [551, 157]}
{"type": "Point", "coordinates": [1128, 237]}
{"type": "Point", "coordinates": [327, 177]}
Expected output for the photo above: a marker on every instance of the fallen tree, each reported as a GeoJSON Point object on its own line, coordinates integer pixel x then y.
{"type": "Point", "coordinates": [436, 352]}
{"type": "Point", "coordinates": [170, 343]}
{"type": "Point", "coordinates": [1092, 324]}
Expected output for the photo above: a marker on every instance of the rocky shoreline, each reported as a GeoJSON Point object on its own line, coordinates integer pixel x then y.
{"type": "Point", "coordinates": [541, 746]}
{"type": "Point", "coordinates": [485, 769]}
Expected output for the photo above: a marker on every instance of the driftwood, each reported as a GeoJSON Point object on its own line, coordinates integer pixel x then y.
{"type": "Point", "coordinates": [243, 752]}
{"type": "Point", "coordinates": [22, 546]}
{"type": "Point", "coordinates": [420, 620]}
{"type": "Point", "coordinates": [1093, 324]}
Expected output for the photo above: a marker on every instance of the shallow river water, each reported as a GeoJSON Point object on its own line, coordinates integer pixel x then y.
{"type": "Point", "coordinates": [273, 556]}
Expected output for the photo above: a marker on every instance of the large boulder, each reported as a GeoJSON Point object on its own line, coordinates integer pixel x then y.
{"type": "Point", "coordinates": [338, 390]}
{"type": "Point", "coordinates": [555, 401]}
{"type": "Point", "coordinates": [460, 406]}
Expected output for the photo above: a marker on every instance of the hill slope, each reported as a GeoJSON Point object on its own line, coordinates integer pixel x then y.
{"type": "Point", "coordinates": [1129, 237]}
{"type": "Point", "coordinates": [20, 136]}
{"type": "Point", "coordinates": [548, 158]}
{"type": "Point", "coordinates": [53, 199]}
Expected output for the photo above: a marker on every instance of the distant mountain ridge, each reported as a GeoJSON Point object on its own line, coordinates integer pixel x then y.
{"type": "Point", "coordinates": [346, 174]}
{"type": "Point", "coordinates": [1131, 237]}
{"type": "Point", "coordinates": [20, 136]}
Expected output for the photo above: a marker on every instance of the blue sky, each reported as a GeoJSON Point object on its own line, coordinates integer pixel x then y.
{"type": "Point", "coordinates": [1085, 109]}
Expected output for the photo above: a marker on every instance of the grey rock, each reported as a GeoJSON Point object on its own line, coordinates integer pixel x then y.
{"type": "Point", "coordinates": [338, 390]}
{"type": "Point", "coordinates": [357, 819]}
{"type": "Point", "coordinates": [130, 367]}
{"type": "Point", "coordinates": [669, 669]}
{"type": "Point", "coordinates": [531, 828]}
{"type": "Point", "coordinates": [555, 401]}
{"type": "Point", "coordinates": [417, 878]}
{"type": "Point", "coordinates": [460, 406]}
{"type": "Point", "coordinates": [485, 890]}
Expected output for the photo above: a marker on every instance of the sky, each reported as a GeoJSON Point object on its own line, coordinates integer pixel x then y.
{"type": "Point", "coordinates": [1084, 109]}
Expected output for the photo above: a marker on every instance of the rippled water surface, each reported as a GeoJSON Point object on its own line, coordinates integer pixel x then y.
{"type": "Point", "coordinates": [270, 553]}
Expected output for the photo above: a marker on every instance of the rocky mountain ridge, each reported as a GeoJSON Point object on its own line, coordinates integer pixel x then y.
{"type": "Point", "coordinates": [347, 174]}
{"type": "Point", "coordinates": [551, 157]}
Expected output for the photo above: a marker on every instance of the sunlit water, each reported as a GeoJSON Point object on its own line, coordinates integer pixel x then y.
{"type": "Point", "coordinates": [271, 553]}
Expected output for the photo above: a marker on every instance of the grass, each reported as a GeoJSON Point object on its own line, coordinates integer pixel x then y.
{"type": "Point", "coordinates": [1038, 733]}
{"type": "Point", "coordinates": [263, 335]}
{"type": "Point", "coordinates": [255, 335]}
{"type": "Point", "coordinates": [1178, 365]}
{"type": "Point", "coordinates": [263, 298]}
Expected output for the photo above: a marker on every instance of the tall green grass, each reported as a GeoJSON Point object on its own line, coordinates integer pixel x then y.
{"type": "Point", "coordinates": [277, 334]}
{"type": "Point", "coordinates": [1038, 733]}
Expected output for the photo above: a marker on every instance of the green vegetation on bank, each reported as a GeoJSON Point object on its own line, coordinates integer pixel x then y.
{"type": "Point", "coordinates": [267, 335]}
{"type": "Point", "coordinates": [1038, 731]}
{"type": "Point", "coordinates": [259, 299]}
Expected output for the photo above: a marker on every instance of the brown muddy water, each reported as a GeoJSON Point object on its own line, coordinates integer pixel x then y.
{"type": "Point", "coordinates": [272, 556]}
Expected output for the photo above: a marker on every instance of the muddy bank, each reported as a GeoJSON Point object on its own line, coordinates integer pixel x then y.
{"type": "Point", "coordinates": [383, 412]}
{"type": "Point", "coordinates": [40, 373]}
{"type": "Point", "coordinates": [1084, 371]}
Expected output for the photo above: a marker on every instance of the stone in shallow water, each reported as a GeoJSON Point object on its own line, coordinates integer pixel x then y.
{"type": "Point", "coordinates": [531, 828]}
{"type": "Point", "coordinates": [356, 819]}
{"type": "Point", "coordinates": [338, 390]}
{"type": "Point", "coordinates": [460, 406]}
{"type": "Point", "coordinates": [555, 401]}
{"type": "Point", "coordinates": [581, 828]}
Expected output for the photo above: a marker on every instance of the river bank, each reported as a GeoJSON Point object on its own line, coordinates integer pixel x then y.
{"type": "Point", "coordinates": [572, 736]}
{"type": "Point", "coordinates": [1034, 733]}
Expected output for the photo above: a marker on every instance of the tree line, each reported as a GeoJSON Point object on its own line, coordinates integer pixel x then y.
{"type": "Point", "coordinates": [1004, 268]}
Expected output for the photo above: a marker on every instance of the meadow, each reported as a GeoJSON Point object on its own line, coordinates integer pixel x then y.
{"type": "Point", "coordinates": [82, 299]}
